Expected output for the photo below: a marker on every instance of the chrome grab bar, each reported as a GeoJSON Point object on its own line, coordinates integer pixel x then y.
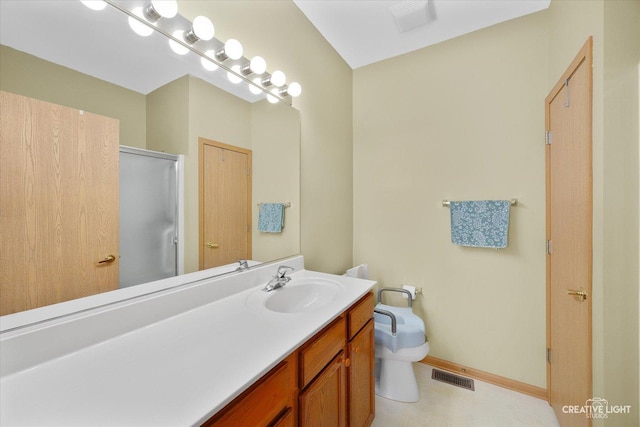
{"type": "Point", "coordinates": [404, 291]}
{"type": "Point", "coordinates": [394, 321]}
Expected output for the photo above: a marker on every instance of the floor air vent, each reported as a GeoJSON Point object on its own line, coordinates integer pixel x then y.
{"type": "Point", "coordinates": [452, 379]}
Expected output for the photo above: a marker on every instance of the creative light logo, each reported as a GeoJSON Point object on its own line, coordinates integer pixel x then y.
{"type": "Point", "coordinates": [596, 407]}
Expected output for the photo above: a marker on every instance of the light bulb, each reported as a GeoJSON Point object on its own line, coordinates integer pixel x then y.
{"type": "Point", "coordinates": [138, 27]}
{"type": "Point", "coordinates": [177, 47]}
{"type": "Point", "coordinates": [294, 89]}
{"type": "Point", "coordinates": [202, 29]}
{"type": "Point", "coordinates": [233, 49]}
{"type": "Point", "coordinates": [209, 65]}
{"type": "Point", "coordinates": [255, 88]}
{"type": "Point", "coordinates": [232, 77]}
{"type": "Point", "coordinates": [258, 65]}
{"type": "Point", "coordinates": [278, 78]}
{"type": "Point", "coordinates": [95, 4]}
{"type": "Point", "coordinates": [165, 8]}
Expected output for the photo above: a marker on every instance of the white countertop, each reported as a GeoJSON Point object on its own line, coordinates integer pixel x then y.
{"type": "Point", "coordinates": [177, 371]}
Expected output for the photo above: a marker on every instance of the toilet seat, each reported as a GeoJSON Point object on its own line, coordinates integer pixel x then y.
{"type": "Point", "coordinates": [409, 354]}
{"type": "Point", "coordinates": [409, 333]}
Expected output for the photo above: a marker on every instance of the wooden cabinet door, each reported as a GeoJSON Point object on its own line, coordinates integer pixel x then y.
{"type": "Point", "coordinates": [287, 419]}
{"type": "Point", "coordinates": [361, 382]}
{"type": "Point", "coordinates": [323, 403]}
{"type": "Point", "coordinates": [58, 201]}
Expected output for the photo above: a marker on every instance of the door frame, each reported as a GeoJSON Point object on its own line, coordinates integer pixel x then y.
{"type": "Point", "coordinates": [584, 56]}
{"type": "Point", "coordinates": [201, 144]}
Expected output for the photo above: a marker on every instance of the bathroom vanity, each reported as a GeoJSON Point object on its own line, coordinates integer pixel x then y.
{"type": "Point", "coordinates": [219, 351]}
{"type": "Point", "coordinates": [326, 381]}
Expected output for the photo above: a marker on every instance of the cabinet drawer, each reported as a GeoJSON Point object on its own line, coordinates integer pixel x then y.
{"type": "Point", "coordinates": [320, 350]}
{"type": "Point", "coordinates": [360, 314]}
{"type": "Point", "coordinates": [262, 403]}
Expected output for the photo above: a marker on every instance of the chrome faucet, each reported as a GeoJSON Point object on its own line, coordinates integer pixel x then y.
{"type": "Point", "coordinates": [244, 265]}
{"type": "Point", "coordinates": [280, 279]}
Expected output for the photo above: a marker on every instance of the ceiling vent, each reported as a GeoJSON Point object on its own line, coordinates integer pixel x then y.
{"type": "Point", "coordinates": [411, 14]}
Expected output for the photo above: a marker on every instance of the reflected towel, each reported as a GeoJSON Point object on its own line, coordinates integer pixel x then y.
{"type": "Point", "coordinates": [481, 224]}
{"type": "Point", "coordinates": [271, 217]}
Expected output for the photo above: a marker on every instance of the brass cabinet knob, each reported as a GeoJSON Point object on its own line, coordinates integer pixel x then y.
{"type": "Point", "coordinates": [212, 245]}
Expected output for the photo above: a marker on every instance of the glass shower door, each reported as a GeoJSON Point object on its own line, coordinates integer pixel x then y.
{"type": "Point", "coordinates": [148, 216]}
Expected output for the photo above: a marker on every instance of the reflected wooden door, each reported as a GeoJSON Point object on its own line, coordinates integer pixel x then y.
{"type": "Point", "coordinates": [58, 202]}
{"type": "Point", "coordinates": [569, 232]}
{"type": "Point", "coordinates": [225, 203]}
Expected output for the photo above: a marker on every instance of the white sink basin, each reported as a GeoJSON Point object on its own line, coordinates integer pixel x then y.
{"type": "Point", "coordinates": [299, 295]}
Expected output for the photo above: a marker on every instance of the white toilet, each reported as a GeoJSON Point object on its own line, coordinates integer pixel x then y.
{"type": "Point", "coordinates": [400, 341]}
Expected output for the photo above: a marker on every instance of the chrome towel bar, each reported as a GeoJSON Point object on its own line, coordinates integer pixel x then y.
{"type": "Point", "coordinates": [286, 205]}
{"type": "Point", "coordinates": [446, 203]}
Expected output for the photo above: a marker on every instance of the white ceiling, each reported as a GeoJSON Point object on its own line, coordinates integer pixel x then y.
{"type": "Point", "coordinates": [365, 31]}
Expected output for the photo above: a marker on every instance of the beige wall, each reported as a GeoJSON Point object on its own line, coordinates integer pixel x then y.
{"type": "Point", "coordinates": [461, 120]}
{"type": "Point", "coordinates": [168, 117]}
{"type": "Point", "coordinates": [279, 32]}
{"type": "Point", "coordinates": [275, 141]}
{"type": "Point", "coordinates": [30, 76]}
{"type": "Point", "coordinates": [620, 206]}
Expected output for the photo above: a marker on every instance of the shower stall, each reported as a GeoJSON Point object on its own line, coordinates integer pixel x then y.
{"type": "Point", "coordinates": [151, 246]}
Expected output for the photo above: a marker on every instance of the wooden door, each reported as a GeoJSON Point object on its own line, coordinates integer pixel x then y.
{"type": "Point", "coordinates": [361, 382]}
{"type": "Point", "coordinates": [225, 204]}
{"type": "Point", "coordinates": [58, 201]}
{"type": "Point", "coordinates": [323, 403]}
{"type": "Point", "coordinates": [569, 235]}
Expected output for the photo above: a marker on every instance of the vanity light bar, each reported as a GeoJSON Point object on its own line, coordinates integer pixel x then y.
{"type": "Point", "coordinates": [237, 66]}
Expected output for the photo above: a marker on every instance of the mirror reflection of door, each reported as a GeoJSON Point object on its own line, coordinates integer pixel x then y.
{"type": "Point", "coordinates": [58, 203]}
{"type": "Point", "coordinates": [225, 203]}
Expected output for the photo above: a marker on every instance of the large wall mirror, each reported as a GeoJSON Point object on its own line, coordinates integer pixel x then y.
{"type": "Point", "coordinates": [64, 53]}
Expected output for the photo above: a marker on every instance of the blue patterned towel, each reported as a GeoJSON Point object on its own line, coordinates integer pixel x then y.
{"type": "Point", "coordinates": [482, 224]}
{"type": "Point", "coordinates": [271, 217]}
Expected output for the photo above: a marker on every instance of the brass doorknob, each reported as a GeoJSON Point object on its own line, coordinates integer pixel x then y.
{"type": "Point", "coordinates": [581, 294]}
{"type": "Point", "coordinates": [212, 245]}
{"type": "Point", "coordinates": [107, 260]}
